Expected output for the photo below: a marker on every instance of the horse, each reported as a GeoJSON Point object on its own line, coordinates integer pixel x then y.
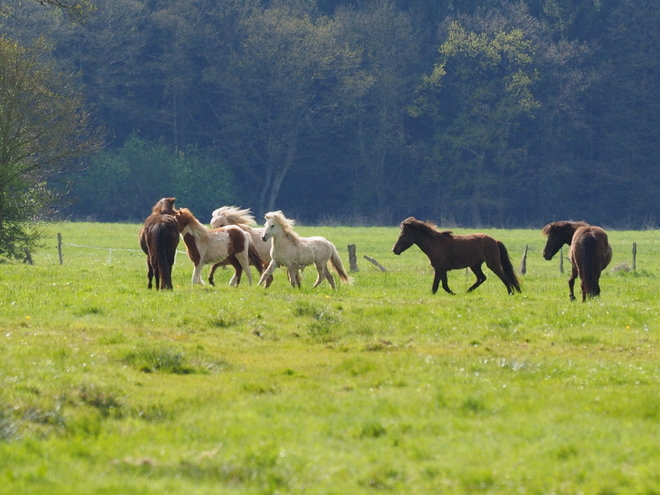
{"type": "Point", "coordinates": [295, 252]}
{"type": "Point", "coordinates": [205, 245]}
{"type": "Point", "coordinates": [451, 252]}
{"type": "Point", "coordinates": [232, 215]}
{"type": "Point", "coordinates": [589, 252]}
{"type": "Point", "coordinates": [159, 238]}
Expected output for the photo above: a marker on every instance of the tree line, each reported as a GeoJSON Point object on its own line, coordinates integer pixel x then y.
{"type": "Point", "coordinates": [468, 112]}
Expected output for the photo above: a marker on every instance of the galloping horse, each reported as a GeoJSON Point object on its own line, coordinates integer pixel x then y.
{"type": "Point", "coordinates": [159, 238]}
{"type": "Point", "coordinates": [295, 252]}
{"type": "Point", "coordinates": [205, 245]}
{"type": "Point", "coordinates": [232, 215]}
{"type": "Point", "coordinates": [451, 252]}
{"type": "Point", "coordinates": [589, 252]}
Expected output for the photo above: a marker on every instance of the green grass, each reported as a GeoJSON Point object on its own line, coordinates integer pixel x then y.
{"type": "Point", "coordinates": [379, 387]}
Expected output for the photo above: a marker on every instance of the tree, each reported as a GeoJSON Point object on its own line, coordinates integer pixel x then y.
{"type": "Point", "coordinates": [478, 96]}
{"type": "Point", "coordinates": [273, 83]}
{"type": "Point", "coordinates": [77, 10]}
{"type": "Point", "coordinates": [43, 128]}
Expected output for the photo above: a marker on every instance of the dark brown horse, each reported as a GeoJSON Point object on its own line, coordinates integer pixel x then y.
{"type": "Point", "coordinates": [589, 252]}
{"type": "Point", "coordinates": [451, 252]}
{"type": "Point", "coordinates": [159, 238]}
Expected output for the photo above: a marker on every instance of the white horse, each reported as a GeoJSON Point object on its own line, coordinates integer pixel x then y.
{"type": "Point", "coordinates": [206, 245]}
{"type": "Point", "coordinates": [232, 215]}
{"type": "Point", "coordinates": [295, 252]}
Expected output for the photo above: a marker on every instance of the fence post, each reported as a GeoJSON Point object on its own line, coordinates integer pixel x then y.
{"type": "Point", "coordinates": [59, 248]}
{"type": "Point", "coordinates": [523, 263]}
{"type": "Point", "coordinates": [352, 259]}
{"type": "Point", "coordinates": [634, 253]}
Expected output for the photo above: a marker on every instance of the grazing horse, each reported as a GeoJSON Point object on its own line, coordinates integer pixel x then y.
{"type": "Point", "coordinates": [589, 252]}
{"type": "Point", "coordinates": [451, 252]}
{"type": "Point", "coordinates": [159, 238]}
{"type": "Point", "coordinates": [205, 245]}
{"type": "Point", "coordinates": [295, 252]}
{"type": "Point", "coordinates": [232, 215]}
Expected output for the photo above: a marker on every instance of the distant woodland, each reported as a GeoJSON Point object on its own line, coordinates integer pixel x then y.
{"type": "Point", "coordinates": [464, 112]}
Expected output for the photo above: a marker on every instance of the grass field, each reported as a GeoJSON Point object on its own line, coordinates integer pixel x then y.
{"type": "Point", "coordinates": [379, 387]}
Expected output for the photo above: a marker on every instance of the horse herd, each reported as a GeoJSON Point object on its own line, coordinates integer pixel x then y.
{"type": "Point", "coordinates": [233, 241]}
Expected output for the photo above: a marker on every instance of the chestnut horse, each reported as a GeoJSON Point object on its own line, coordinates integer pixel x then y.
{"type": "Point", "coordinates": [589, 252]}
{"type": "Point", "coordinates": [159, 238]}
{"type": "Point", "coordinates": [205, 245]}
{"type": "Point", "coordinates": [451, 252]}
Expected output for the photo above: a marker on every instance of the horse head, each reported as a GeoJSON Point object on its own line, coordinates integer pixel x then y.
{"type": "Point", "coordinates": [406, 237]}
{"type": "Point", "coordinates": [558, 234]}
{"type": "Point", "coordinates": [165, 206]}
{"type": "Point", "coordinates": [183, 218]}
{"type": "Point", "coordinates": [276, 221]}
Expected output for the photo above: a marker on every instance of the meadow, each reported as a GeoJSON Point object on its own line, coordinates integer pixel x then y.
{"type": "Point", "coordinates": [378, 387]}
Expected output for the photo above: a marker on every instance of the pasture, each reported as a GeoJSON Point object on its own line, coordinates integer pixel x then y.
{"type": "Point", "coordinates": [377, 387]}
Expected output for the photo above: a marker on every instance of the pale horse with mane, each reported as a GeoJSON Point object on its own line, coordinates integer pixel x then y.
{"type": "Point", "coordinates": [295, 252]}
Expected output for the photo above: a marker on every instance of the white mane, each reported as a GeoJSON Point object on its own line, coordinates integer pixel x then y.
{"type": "Point", "coordinates": [233, 215]}
{"type": "Point", "coordinates": [285, 223]}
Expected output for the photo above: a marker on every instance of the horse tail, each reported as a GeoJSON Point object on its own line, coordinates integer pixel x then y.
{"type": "Point", "coordinates": [590, 269]}
{"type": "Point", "coordinates": [163, 256]}
{"type": "Point", "coordinates": [505, 261]}
{"type": "Point", "coordinates": [255, 259]}
{"type": "Point", "coordinates": [338, 266]}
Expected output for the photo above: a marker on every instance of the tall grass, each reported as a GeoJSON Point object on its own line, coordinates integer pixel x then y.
{"type": "Point", "coordinates": [108, 387]}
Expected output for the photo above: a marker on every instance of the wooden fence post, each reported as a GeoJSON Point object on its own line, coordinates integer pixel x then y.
{"type": "Point", "coordinates": [634, 253]}
{"type": "Point", "coordinates": [352, 259]}
{"type": "Point", "coordinates": [523, 263]}
{"type": "Point", "coordinates": [59, 248]}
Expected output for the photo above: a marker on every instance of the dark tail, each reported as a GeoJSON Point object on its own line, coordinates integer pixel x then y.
{"type": "Point", "coordinates": [255, 259]}
{"type": "Point", "coordinates": [590, 269]}
{"type": "Point", "coordinates": [163, 255]}
{"type": "Point", "coordinates": [508, 267]}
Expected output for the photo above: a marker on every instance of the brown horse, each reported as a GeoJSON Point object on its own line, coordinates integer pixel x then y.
{"type": "Point", "coordinates": [451, 252]}
{"type": "Point", "coordinates": [589, 252]}
{"type": "Point", "coordinates": [159, 238]}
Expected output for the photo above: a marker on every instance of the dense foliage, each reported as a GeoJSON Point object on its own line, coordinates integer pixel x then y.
{"type": "Point", "coordinates": [43, 127]}
{"type": "Point", "coordinates": [477, 112]}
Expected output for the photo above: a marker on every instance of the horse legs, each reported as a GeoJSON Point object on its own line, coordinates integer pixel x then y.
{"type": "Point", "coordinates": [320, 269]}
{"type": "Point", "coordinates": [197, 274]}
{"type": "Point", "coordinates": [150, 274]}
{"type": "Point", "coordinates": [571, 282]}
{"type": "Point", "coordinates": [497, 269]}
{"type": "Point", "coordinates": [268, 272]}
{"type": "Point", "coordinates": [294, 277]}
{"type": "Point", "coordinates": [238, 271]}
{"type": "Point", "coordinates": [481, 278]}
{"type": "Point", "coordinates": [213, 269]}
{"type": "Point", "coordinates": [244, 262]}
{"type": "Point", "coordinates": [329, 278]}
{"type": "Point", "coordinates": [440, 276]}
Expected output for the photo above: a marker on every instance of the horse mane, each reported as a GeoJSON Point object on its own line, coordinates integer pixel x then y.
{"type": "Point", "coordinates": [285, 223]}
{"type": "Point", "coordinates": [198, 228]}
{"type": "Point", "coordinates": [428, 228]}
{"type": "Point", "coordinates": [562, 224]}
{"type": "Point", "coordinates": [235, 215]}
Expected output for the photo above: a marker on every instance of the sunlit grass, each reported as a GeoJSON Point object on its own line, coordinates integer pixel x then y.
{"type": "Point", "coordinates": [108, 387]}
